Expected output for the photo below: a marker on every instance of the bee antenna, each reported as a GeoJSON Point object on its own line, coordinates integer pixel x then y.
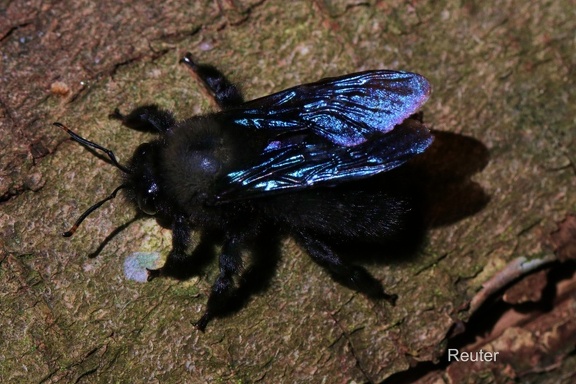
{"type": "Point", "coordinates": [90, 210]}
{"type": "Point", "coordinates": [90, 144]}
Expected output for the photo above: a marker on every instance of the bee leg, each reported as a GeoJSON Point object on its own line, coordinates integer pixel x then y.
{"type": "Point", "coordinates": [230, 264]}
{"type": "Point", "coordinates": [225, 93]}
{"type": "Point", "coordinates": [177, 263]}
{"type": "Point", "coordinates": [148, 118]}
{"type": "Point", "coordinates": [353, 276]}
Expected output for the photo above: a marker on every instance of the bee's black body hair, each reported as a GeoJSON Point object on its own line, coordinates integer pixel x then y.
{"type": "Point", "coordinates": [180, 177]}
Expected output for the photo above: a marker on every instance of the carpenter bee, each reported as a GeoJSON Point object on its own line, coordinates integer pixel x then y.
{"type": "Point", "coordinates": [290, 160]}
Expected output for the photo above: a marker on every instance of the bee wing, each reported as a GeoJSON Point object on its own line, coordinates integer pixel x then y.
{"type": "Point", "coordinates": [301, 165]}
{"type": "Point", "coordinates": [346, 110]}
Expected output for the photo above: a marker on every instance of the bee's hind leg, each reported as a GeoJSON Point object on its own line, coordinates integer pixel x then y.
{"type": "Point", "coordinates": [353, 276]}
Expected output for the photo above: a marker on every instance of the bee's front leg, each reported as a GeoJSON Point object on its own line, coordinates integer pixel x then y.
{"type": "Point", "coordinates": [178, 263]}
{"type": "Point", "coordinates": [225, 93]}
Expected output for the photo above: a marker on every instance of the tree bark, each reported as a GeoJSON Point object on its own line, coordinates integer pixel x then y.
{"type": "Point", "coordinates": [498, 181]}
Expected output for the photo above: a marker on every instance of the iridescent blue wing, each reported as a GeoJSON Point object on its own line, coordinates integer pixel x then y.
{"type": "Point", "coordinates": [346, 110]}
{"type": "Point", "coordinates": [291, 166]}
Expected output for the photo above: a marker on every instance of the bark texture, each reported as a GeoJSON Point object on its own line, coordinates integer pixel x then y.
{"type": "Point", "coordinates": [497, 268]}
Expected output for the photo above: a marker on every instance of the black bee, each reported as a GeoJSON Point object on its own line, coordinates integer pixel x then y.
{"type": "Point", "coordinates": [289, 160]}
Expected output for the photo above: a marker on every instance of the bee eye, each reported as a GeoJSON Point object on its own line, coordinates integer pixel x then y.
{"type": "Point", "coordinates": [147, 200]}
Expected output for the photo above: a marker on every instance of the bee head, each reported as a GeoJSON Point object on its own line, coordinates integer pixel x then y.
{"type": "Point", "coordinates": [143, 180]}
